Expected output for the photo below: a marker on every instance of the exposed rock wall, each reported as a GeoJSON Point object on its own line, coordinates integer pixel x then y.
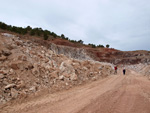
{"type": "Point", "coordinates": [143, 69]}
{"type": "Point", "coordinates": [130, 57]}
{"type": "Point", "coordinates": [72, 52]}
{"type": "Point", "coordinates": [146, 71]}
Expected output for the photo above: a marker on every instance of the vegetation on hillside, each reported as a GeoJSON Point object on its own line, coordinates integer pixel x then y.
{"type": "Point", "coordinates": [28, 30]}
{"type": "Point", "coordinates": [42, 33]}
{"type": "Point", "coordinates": [107, 45]}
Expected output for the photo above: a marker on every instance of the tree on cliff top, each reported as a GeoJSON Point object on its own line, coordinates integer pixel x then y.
{"type": "Point", "coordinates": [107, 45]}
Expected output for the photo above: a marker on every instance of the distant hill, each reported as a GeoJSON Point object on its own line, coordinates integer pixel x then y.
{"type": "Point", "coordinates": [77, 49]}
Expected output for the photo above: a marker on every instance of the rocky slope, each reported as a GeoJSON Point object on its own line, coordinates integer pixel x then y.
{"type": "Point", "coordinates": [80, 51]}
{"type": "Point", "coordinates": [142, 69]}
{"type": "Point", "coordinates": [27, 67]}
{"type": "Point", "coordinates": [101, 54]}
{"type": "Point", "coordinates": [71, 52]}
{"type": "Point", "coordinates": [120, 57]}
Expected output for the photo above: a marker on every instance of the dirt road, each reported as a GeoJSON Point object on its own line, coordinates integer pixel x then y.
{"type": "Point", "coordinates": [114, 94]}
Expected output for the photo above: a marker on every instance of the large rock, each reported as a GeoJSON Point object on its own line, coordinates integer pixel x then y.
{"type": "Point", "coordinates": [11, 71]}
{"type": "Point", "coordinates": [14, 66]}
{"type": "Point", "coordinates": [10, 86]}
{"type": "Point", "coordinates": [33, 88]}
{"type": "Point", "coordinates": [73, 77]}
{"type": "Point", "coordinates": [61, 77]}
{"type": "Point", "coordinates": [14, 93]}
{"type": "Point", "coordinates": [66, 68]}
{"type": "Point", "coordinates": [20, 84]}
{"type": "Point", "coordinates": [1, 76]}
{"type": "Point", "coordinates": [6, 52]}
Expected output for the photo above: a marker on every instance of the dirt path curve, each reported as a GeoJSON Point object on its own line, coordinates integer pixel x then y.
{"type": "Point", "coordinates": [114, 94]}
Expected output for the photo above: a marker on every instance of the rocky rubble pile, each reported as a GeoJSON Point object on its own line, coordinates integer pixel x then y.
{"type": "Point", "coordinates": [136, 67]}
{"type": "Point", "coordinates": [26, 67]}
{"type": "Point", "coordinates": [143, 69]}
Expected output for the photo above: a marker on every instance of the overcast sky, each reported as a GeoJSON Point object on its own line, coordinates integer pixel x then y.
{"type": "Point", "coordinates": [123, 24]}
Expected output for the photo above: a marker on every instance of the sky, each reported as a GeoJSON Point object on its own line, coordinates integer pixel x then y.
{"type": "Point", "coordinates": [123, 24]}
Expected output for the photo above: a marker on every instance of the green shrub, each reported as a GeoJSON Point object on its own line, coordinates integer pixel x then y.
{"type": "Point", "coordinates": [92, 45]}
{"type": "Point", "coordinates": [45, 36]}
{"type": "Point", "coordinates": [101, 46]}
{"type": "Point", "coordinates": [107, 45]}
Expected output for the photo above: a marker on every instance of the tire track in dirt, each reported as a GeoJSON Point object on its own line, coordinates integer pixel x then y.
{"type": "Point", "coordinates": [127, 98]}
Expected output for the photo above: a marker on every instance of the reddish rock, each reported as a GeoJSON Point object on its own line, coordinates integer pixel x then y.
{"type": "Point", "coordinates": [14, 66]}
{"type": "Point", "coordinates": [54, 74]}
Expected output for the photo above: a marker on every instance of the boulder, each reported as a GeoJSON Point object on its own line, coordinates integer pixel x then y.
{"type": "Point", "coordinates": [11, 71]}
{"type": "Point", "coordinates": [61, 77]}
{"type": "Point", "coordinates": [5, 82]}
{"type": "Point", "coordinates": [20, 84]}
{"type": "Point", "coordinates": [73, 77]}
{"type": "Point", "coordinates": [14, 66]}
{"type": "Point", "coordinates": [66, 84]}
{"type": "Point", "coordinates": [10, 86]}
{"type": "Point", "coordinates": [33, 88]}
{"type": "Point", "coordinates": [30, 66]}
{"type": "Point", "coordinates": [1, 76]}
{"type": "Point", "coordinates": [6, 52]}
{"type": "Point", "coordinates": [14, 93]}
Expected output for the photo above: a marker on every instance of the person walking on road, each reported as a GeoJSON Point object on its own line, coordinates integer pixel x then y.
{"type": "Point", "coordinates": [115, 69]}
{"type": "Point", "coordinates": [124, 71]}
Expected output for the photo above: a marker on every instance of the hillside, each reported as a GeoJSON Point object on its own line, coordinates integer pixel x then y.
{"type": "Point", "coordinates": [76, 49]}
{"type": "Point", "coordinates": [28, 66]}
{"type": "Point", "coordinates": [108, 54]}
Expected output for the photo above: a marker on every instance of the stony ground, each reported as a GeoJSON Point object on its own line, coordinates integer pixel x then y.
{"type": "Point", "coordinates": [113, 94]}
{"type": "Point", "coordinates": [27, 67]}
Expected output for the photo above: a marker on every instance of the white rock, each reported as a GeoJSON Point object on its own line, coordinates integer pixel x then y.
{"type": "Point", "coordinates": [67, 84]}
{"type": "Point", "coordinates": [61, 77]}
{"type": "Point", "coordinates": [1, 76]}
{"type": "Point", "coordinates": [33, 88]}
{"type": "Point", "coordinates": [10, 86]}
{"type": "Point", "coordinates": [14, 93]}
{"type": "Point", "coordinates": [73, 77]}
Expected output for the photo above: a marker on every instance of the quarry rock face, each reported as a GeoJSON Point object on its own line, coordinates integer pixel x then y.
{"type": "Point", "coordinates": [27, 67]}
{"type": "Point", "coordinates": [71, 52]}
{"type": "Point", "coordinates": [143, 69]}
